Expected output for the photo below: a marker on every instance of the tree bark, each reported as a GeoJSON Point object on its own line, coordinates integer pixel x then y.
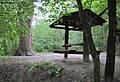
{"type": "Point", "coordinates": [92, 48]}
{"type": "Point", "coordinates": [24, 46]}
{"type": "Point", "coordinates": [25, 15]}
{"type": "Point", "coordinates": [111, 47]}
{"type": "Point", "coordinates": [85, 48]}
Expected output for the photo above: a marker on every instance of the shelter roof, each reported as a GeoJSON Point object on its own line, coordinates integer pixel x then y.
{"type": "Point", "coordinates": [73, 19]}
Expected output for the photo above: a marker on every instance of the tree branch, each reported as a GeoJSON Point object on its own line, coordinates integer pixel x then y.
{"type": "Point", "coordinates": [98, 16]}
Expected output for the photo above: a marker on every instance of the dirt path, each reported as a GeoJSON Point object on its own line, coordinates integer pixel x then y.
{"type": "Point", "coordinates": [48, 57]}
{"type": "Point", "coordinates": [13, 69]}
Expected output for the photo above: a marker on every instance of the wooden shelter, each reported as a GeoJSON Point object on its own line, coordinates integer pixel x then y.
{"type": "Point", "coordinates": [73, 22]}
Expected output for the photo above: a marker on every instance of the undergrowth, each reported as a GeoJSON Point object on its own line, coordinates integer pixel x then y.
{"type": "Point", "coordinates": [51, 68]}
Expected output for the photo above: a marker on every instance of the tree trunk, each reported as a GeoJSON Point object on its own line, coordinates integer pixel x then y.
{"type": "Point", "coordinates": [25, 15]}
{"type": "Point", "coordinates": [85, 48]}
{"type": "Point", "coordinates": [111, 47]}
{"type": "Point", "coordinates": [92, 48]}
{"type": "Point", "coordinates": [24, 46]}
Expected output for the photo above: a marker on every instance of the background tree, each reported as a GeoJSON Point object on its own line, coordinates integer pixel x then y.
{"type": "Point", "coordinates": [11, 31]}
{"type": "Point", "coordinates": [25, 14]}
{"type": "Point", "coordinates": [45, 39]}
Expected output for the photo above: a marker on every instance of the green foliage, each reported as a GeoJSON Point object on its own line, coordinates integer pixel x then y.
{"type": "Point", "coordinates": [51, 68]}
{"type": "Point", "coordinates": [10, 13]}
{"type": "Point", "coordinates": [58, 8]}
{"type": "Point", "coordinates": [100, 37]}
{"type": "Point", "coordinates": [76, 38]}
{"type": "Point", "coordinates": [118, 14]}
{"type": "Point", "coordinates": [46, 39]}
{"type": "Point", "coordinates": [8, 28]}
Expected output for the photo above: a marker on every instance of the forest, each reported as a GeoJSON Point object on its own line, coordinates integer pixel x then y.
{"type": "Point", "coordinates": [25, 31]}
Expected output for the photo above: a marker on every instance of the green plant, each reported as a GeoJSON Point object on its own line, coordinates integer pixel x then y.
{"type": "Point", "coordinates": [51, 68]}
{"type": "Point", "coordinates": [11, 15]}
{"type": "Point", "coordinates": [45, 39]}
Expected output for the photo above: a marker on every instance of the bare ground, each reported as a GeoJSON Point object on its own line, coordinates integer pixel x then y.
{"type": "Point", "coordinates": [14, 68]}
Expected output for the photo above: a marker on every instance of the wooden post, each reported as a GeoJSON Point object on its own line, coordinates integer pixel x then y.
{"type": "Point", "coordinates": [66, 39]}
{"type": "Point", "coordinates": [85, 48]}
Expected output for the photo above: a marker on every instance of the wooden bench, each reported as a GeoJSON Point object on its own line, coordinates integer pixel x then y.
{"type": "Point", "coordinates": [70, 45]}
{"type": "Point", "coordinates": [71, 51]}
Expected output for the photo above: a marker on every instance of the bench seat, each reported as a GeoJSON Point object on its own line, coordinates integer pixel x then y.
{"type": "Point", "coordinates": [71, 51]}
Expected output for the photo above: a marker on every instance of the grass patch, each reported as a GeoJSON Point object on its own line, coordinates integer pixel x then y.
{"type": "Point", "coordinates": [51, 68]}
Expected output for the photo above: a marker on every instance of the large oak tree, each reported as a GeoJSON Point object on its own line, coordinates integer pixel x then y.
{"type": "Point", "coordinates": [25, 14]}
